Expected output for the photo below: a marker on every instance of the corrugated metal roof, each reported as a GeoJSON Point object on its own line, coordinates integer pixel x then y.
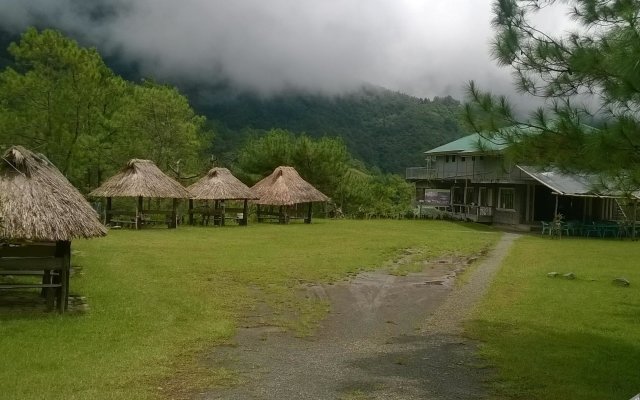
{"type": "Point", "coordinates": [474, 143]}
{"type": "Point", "coordinates": [567, 184]}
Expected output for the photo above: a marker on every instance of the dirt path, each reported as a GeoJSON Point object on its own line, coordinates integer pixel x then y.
{"type": "Point", "coordinates": [387, 337]}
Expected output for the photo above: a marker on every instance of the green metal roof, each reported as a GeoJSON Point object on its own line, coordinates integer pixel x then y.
{"type": "Point", "coordinates": [472, 144]}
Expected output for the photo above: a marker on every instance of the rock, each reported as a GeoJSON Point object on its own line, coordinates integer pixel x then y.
{"type": "Point", "coordinates": [620, 281]}
{"type": "Point", "coordinates": [569, 275]}
{"type": "Point", "coordinates": [553, 274]}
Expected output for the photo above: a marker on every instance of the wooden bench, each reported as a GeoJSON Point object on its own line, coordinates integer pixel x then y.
{"type": "Point", "coordinates": [47, 261]}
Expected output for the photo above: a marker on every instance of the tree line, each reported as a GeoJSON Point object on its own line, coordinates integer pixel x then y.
{"type": "Point", "coordinates": [62, 100]}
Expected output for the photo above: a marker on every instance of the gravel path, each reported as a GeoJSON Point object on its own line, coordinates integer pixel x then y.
{"type": "Point", "coordinates": [387, 337]}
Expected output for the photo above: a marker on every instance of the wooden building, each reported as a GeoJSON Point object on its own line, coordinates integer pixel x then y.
{"type": "Point", "coordinates": [40, 213]}
{"type": "Point", "coordinates": [284, 190]}
{"type": "Point", "coordinates": [141, 179]}
{"type": "Point", "coordinates": [220, 187]}
{"type": "Point", "coordinates": [471, 179]}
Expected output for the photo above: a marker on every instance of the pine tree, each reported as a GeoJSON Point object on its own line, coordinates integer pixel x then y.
{"type": "Point", "coordinates": [598, 64]}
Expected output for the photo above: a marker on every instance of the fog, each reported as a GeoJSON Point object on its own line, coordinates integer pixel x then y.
{"type": "Point", "coordinates": [424, 48]}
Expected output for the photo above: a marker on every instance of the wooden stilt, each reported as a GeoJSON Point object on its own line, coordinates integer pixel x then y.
{"type": "Point", "coordinates": [191, 212]}
{"type": "Point", "coordinates": [309, 212]}
{"type": "Point", "coordinates": [139, 213]}
{"type": "Point", "coordinates": [173, 223]}
{"type": "Point", "coordinates": [245, 213]}
{"type": "Point", "coordinates": [107, 212]}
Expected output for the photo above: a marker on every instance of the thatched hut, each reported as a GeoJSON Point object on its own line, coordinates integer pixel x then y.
{"type": "Point", "coordinates": [219, 185]}
{"type": "Point", "coordinates": [285, 188]}
{"type": "Point", "coordinates": [141, 179]}
{"type": "Point", "coordinates": [40, 213]}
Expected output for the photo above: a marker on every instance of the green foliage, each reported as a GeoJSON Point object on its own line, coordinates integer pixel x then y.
{"type": "Point", "coordinates": [62, 100]}
{"type": "Point", "coordinates": [156, 307]}
{"type": "Point", "coordinates": [384, 129]}
{"type": "Point", "coordinates": [326, 164]}
{"type": "Point", "coordinates": [597, 62]}
{"type": "Point", "coordinates": [552, 338]}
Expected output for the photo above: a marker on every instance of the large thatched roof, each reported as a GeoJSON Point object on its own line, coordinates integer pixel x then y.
{"type": "Point", "coordinates": [141, 178]}
{"type": "Point", "coordinates": [285, 187]}
{"type": "Point", "coordinates": [220, 184]}
{"type": "Point", "coordinates": [38, 203]}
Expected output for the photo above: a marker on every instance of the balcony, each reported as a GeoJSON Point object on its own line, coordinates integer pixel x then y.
{"type": "Point", "coordinates": [420, 173]}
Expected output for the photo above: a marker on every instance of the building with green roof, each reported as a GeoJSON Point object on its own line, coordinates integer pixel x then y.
{"type": "Point", "coordinates": [471, 179]}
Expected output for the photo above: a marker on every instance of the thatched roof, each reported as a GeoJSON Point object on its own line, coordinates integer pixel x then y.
{"type": "Point", "coordinates": [38, 203]}
{"type": "Point", "coordinates": [285, 187]}
{"type": "Point", "coordinates": [141, 178]}
{"type": "Point", "coordinates": [220, 184]}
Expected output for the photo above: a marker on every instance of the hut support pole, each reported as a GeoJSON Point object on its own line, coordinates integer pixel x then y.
{"type": "Point", "coordinates": [281, 216]}
{"type": "Point", "coordinates": [191, 212]}
{"type": "Point", "coordinates": [139, 213]}
{"type": "Point", "coordinates": [222, 213]}
{"type": "Point", "coordinates": [173, 223]}
{"type": "Point", "coordinates": [258, 213]}
{"type": "Point", "coordinates": [245, 212]}
{"type": "Point", "coordinates": [635, 217]}
{"type": "Point", "coordinates": [63, 251]}
{"type": "Point", "coordinates": [309, 211]}
{"type": "Point", "coordinates": [107, 212]}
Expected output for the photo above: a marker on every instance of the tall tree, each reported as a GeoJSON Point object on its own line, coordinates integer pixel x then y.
{"type": "Point", "coordinates": [62, 100]}
{"type": "Point", "coordinates": [57, 95]}
{"type": "Point", "coordinates": [156, 122]}
{"type": "Point", "coordinates": [596, 64]}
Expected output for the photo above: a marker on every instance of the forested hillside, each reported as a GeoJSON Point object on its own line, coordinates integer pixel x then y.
{"type": "Point", "coordinates": [384, 129]}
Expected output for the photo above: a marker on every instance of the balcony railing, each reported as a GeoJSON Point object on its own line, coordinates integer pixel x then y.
{"type": "Point", "coordinates": [415, 173]}
{"type": "Point", "coordinates": [473, 212]}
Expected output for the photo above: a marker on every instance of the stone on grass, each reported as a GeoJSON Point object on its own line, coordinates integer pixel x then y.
{"type": "Point", "coordinates": [553, 274]}
{"type": "Point", "coordinates": [620, 281]}
{"type": "Point", "coordinates": [569, 275]}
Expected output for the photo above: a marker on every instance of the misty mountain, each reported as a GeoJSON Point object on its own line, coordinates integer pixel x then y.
{"type": "Point", "coordinates": [385, 129]}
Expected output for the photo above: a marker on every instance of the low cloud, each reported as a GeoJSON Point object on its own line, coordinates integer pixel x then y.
{"type": "Point", "coordinates": [424, 48]}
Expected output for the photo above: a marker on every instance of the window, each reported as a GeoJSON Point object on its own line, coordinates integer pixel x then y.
{"type": "Point", "coordinates": [506, 198]}
{"type": "Point", "coordinates": [463, 159]}
{"type": "Point", "coordinates": [446, 158]}
{"type": "Point", "coordinates": [453, 158]}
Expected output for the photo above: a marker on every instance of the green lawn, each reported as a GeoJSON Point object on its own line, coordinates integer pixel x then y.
{"type": "Point", "coordinates": [553, 338]}
{"type": "Point", "coordinates": [159, 297]}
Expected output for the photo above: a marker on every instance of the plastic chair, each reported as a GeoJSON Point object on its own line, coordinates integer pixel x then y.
{"type": "Point", "coordinates": [546, 228]}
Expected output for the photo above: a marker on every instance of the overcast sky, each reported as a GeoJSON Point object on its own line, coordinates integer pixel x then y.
{"type": "Point", "coordinates": [425, 48]}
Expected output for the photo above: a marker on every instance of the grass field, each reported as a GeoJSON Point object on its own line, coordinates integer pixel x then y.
{"type": "Point", "coordinates": [159, 297]}
{"type": "Point", "coordinates": [552, 338]}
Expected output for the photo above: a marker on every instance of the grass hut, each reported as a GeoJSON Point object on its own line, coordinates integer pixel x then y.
{"type": "Point", "coordinates": [285, 188]}
{"type": "Point", "coordinates": [219, 185]}
{"type": "Point", "coordinates": [40, 213]}
{"type": "Point", "coordinates": [141, 179]}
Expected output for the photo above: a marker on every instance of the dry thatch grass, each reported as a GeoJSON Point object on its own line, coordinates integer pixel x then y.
{"type": "Point", "coordinates": [220, 184]}
{"type": "Point", "coordinates": [141, 178]}
{"type": "Point", "coordinates": [285, 187]}
{"type": "Point", "coordinates": [38, 203]}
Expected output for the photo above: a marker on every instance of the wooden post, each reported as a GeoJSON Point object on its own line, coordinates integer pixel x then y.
{"type": "Point", "coordinates": [139, 213]}
{"type": "Point", "coordinates": [635, 216]}
{"type": "Point", "coordinates": [190, 211]}
{"type": "Point", "coordinates": [309, 211]}
{"type": "Point", "coordinates": [63, 251]}
{"type": "Point", "coordinates": [258, 213]}
{"type": "Point", "coordinates": [245, 213]}
{"type": "Point", "coordinates": [107, 215]}
{"type": "Point", "coordinates": [222, 213]}
{"type": "Point", "coordinates": [173, 223]}
{"type": "Point", "coordinates": [281, 215]}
